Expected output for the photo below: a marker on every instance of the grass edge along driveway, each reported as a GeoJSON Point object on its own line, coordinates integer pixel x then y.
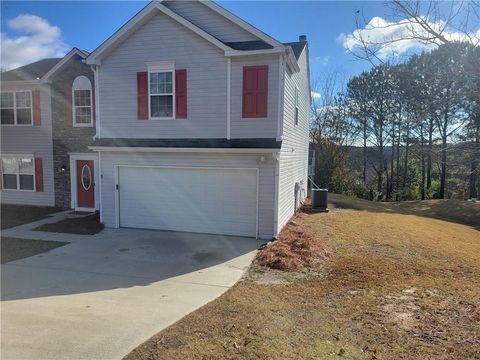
{"type": "Point", "coordinates": [15, 249]}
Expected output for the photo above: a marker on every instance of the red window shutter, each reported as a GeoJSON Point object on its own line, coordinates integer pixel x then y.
{"type": "Point", "coordinates": [255, 91]}
{"type": "Point", "coordinates": [262, 91]}
{"type": "Point", "coordinates": [142, 95]}
{"type": "Point", "coordinates": [181, 93]}
{"type": "Point", "coordinates": [38, 175]}
{"type": "Point", "coordinates": [67, 98]}
{"type": "Point", "coordinates": [37, 115]}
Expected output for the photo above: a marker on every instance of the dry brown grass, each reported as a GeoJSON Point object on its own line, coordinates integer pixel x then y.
{"type": "Point", "coordinates": [396, 286]}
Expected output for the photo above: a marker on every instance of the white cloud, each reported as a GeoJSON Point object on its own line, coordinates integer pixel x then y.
{"type": "Point", "coordinates": [315, 95]}
{"type": "Point", "coordinates": [35, 38]}
{"type": "Point", "coordinates": [395, 38]}
{"type": "Point", "coordinates": [324, 60]}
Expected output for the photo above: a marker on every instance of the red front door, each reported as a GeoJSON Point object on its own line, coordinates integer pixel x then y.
{"type": "Point", "coordinates": [85, 184]}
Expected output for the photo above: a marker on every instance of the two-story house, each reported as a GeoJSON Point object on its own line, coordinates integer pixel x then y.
{"type": "Point", "coordinates": [47, 124]}
{"type": "Point", "coordinates": [202, 123]}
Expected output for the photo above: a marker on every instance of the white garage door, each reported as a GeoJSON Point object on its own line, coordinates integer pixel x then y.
{"type": "Point", "coordinates": [205, 200]}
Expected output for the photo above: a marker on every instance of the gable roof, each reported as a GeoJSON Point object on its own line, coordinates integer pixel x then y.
{"type": "Point", "coordinates": [242, 23]}
{"type": "Point", "coordinates": [138, 20]}
{"type": "Point", "coordinates": [267, 43]}
{"type": "Point", "coordinates": [75, 51]}
{"type": "Point", "coordinates": [33, 71]}
{"type": "Point", "coordinates": [297, 47]}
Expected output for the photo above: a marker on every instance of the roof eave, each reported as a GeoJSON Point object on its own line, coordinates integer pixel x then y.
{"type": "Point", "coordinates": [183, 149]}
{"type": "Point", "coordinates": [21, 82]}
{"type": "Point", "coordinates": [291, 60]}
{"type": "Point", "coordinates": [235, 53]}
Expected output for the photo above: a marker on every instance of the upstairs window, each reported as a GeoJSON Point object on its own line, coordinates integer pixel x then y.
{"type": "Point", "coordinates": [16, 108]}
{"type": "Point", "coordinates": [18, 173]}
{"type": "Point", "coordinates": [255, 91]}
{"type": "Point", "coordinates": [82, 101]}
{"type": "Point", "coordinates": [296, 105]}
{"type": "Point", "coordinates": [162, 89]}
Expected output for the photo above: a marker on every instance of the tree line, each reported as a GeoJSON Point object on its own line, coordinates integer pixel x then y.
{"type": "Point", "coordinates": [412, 127]}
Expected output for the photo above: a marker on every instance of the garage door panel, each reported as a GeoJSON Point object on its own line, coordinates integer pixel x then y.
{"type": "Point", "coordinates": [222, 201]}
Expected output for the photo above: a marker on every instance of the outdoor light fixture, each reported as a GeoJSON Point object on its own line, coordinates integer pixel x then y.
{"type": "Point", "coordinates": [63, 168]}
{"type": "Point", "coordinates": [260, 159]}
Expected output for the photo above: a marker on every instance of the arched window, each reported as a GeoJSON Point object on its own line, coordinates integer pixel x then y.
{"type": "Point", "coordinates": [82, 101]}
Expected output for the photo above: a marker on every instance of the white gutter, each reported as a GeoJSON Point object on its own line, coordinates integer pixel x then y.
{"type": "Point", "coordinates": [234, 53]}
{"type": "Point", "coordinates": [184, 150]}
{"type": "Point", "coordinates": [20, 82]}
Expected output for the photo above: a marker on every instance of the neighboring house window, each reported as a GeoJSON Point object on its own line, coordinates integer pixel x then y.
{"type": "Point", "coordinates": [16, 108]}
{"type": "Point", "coordinates": [18, 173]}
{"type": "Point", "coordinates": [296, 105]}
{"type": "Point", "coordinates": [255, 91]}
{"type": "Point", "coordinates": [161, 91]}
{"type": "Point", "coordinates": [82, 101]}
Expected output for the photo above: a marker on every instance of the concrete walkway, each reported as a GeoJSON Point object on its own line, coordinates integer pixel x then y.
{"type": "Point", "coordinates": [100, 296]}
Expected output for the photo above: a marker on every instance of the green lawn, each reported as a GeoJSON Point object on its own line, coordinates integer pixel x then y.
{"type": "Point", "coordinates": [14, 249]}
{"type": "Point", "coordinates": [14, 215]}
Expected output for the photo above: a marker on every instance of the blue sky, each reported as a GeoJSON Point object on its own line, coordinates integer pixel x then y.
{"type": "Point", "coordinates": [60, 25]}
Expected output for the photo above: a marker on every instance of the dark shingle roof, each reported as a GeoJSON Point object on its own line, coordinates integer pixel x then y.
{"type": "Point", "coordinates": [31, 71]}
{"type": "Point", "coordinates": [262, 45]}
{"type": "Point", "coordinates": [269, 143]}
{"type": "Point", "coordinates": [249, 45]}
{"type": "Point", "coordinates": [297, 47]}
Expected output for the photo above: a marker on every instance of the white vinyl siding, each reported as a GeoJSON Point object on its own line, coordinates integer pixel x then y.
{"type": "Point", "coordinates": [293, 165]}
{"type": "Point", "coordinates": [210, 21]}
{"type": "Point", "coordinates": [162, 39]}
{"type": "Point", "coordinates": [204, 200]}
{"type": "Point", "coordinates": [31, 140]}
{"type": "Point", "coordinates": [266, 178]}
{"type": "Point", "coordinates": [254, 127]}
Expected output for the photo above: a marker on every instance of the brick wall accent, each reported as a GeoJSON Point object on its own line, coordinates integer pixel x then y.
{"type": "Point", "coordinates": [67, 138]}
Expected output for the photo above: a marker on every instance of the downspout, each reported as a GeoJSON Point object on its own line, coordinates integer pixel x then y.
{"type": "Point", "coordinates": [97, 136]}
{"type": "Point", "coordinates": [276, 157]}
{"type": "Point", "coordinates": [281, 87]}
{"type": "Point", "coordinates": [97, 102]}
{"type": "Point", "coordinates": [229, 91]}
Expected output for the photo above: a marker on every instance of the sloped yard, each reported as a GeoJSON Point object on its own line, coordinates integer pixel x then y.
{"type": "Point", "coordinates": [392, 285]}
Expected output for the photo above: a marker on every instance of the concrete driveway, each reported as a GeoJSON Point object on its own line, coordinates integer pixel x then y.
{"type": "Point", "coordinates": [100, 296]}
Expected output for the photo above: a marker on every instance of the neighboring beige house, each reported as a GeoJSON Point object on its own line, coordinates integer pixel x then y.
{"type": "Point", "coordinates": [47, 124]}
